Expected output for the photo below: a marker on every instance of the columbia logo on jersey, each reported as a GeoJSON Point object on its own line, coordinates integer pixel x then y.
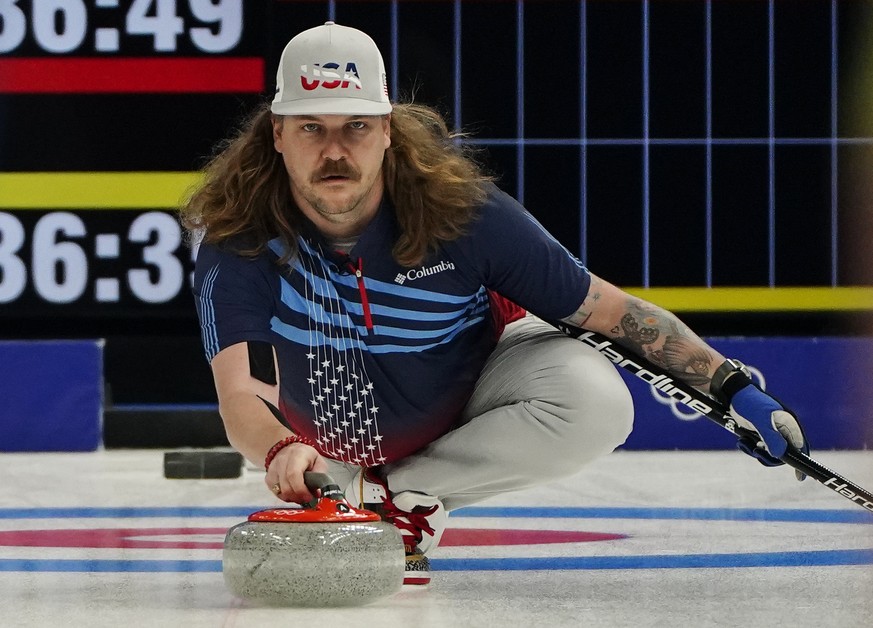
{"type": "Point", "coordinates": [328, 76]}
{"type": "Point", "coordinates": [424, 271]}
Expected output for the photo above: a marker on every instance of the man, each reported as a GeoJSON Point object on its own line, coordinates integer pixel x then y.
{"type": "Point", "coordinates": [362, 281]}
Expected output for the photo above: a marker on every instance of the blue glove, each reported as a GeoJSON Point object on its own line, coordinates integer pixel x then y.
{"type": "Point", "coordinates": [775, 427]}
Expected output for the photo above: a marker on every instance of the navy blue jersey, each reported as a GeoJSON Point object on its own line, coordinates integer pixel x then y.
{"type": "Point", "coordinates": [377, 360]}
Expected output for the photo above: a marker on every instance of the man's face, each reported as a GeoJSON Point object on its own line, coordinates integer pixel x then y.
{"type": "Point", "coordinates": [335, 166]}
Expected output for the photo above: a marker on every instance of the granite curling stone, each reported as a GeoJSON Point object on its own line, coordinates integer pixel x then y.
{"type": "Point", "coordinates": [326, 554]}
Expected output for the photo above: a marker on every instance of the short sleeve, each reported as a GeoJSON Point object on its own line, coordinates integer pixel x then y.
{"type": "Point", "coordinates": [523, 262]}
{"type": "Point", "coordinates": [234, 296]}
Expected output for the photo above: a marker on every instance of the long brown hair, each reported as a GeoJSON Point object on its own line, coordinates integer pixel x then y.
{"type": "Point", "coordinates": [431, 178]}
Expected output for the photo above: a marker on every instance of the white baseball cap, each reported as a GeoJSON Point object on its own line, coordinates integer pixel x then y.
{"type": "Point", "coordinates": [331, 69]}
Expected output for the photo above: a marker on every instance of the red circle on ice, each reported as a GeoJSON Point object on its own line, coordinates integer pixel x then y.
{"type": "Point", "coordinates": [213, 538]}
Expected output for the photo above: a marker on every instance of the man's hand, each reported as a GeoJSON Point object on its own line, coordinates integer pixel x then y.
{"type": "Point", "coordinates": [776, 426]}
{"type": "Point", "coordinates": [286, 472]}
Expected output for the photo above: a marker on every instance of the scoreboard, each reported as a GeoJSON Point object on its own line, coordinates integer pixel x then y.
{"type": "Point", "coordinates": [107, 26]}
{"type": "Point", "coordinates": [691, 145]}
{"type": "Point", "coordinates": [107, 110]}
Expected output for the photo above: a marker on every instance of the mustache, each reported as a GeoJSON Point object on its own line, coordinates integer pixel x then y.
{"type": "Point", "coordinates": [336, 168]}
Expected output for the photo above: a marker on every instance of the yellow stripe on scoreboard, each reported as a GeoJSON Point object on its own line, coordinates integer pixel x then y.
{"type": "Point", "coordinates": [95, 190]}
{"type": "Point", "coordinates": [753, 299]}
{"type": "Point", "coordinates": [166, 190]}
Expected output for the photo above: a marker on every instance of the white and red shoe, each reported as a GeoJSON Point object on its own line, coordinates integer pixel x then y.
{"type": "Point", "coordinates": [420, 519]}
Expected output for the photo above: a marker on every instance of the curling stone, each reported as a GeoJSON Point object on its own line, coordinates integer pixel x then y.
{"type": "Point", "coordinates": [324, 554]}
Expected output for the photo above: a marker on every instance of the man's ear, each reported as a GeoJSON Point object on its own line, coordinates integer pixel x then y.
{"type": "Point", "coordinates": [386, 121]}
{"type": "Point", "coordinates": [278, 126]}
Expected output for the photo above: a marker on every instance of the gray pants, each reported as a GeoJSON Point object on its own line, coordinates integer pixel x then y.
{"type": "Point", "coordinates": [545, 406]}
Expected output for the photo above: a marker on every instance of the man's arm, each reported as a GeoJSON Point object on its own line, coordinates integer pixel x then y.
{"type": "Point", "coordinates": [663, 339]}
{"type": "Point", "coordinates": [648, 330]}
{"type": "Point", "coordinates": [251, 427]}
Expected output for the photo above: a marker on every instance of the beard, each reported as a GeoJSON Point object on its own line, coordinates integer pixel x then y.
{"type": "Point", "coordinates": [330, 201]}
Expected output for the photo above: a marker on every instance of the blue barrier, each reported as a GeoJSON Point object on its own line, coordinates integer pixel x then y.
{"type": "Point", "coordinates": [825, 381]}
{"type": "Point", "coordinates": [51, 395]}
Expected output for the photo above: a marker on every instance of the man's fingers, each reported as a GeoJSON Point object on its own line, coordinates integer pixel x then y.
{"type": "Point", "coordinates": [298, 490]}
{"type": "Point", "coordinates": [301, 458]}
{"type": "Point", "coordinates": [289, 465]}
{"type": "Point", "coordinates": [319, 466]}
{"type": "Point", "coordinates": [788, 426]}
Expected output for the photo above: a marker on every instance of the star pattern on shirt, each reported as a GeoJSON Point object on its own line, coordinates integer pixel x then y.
{"type": "Point", "coordinates": [344, 406]}
{"type": "Point", "coordinates": [342, 396]}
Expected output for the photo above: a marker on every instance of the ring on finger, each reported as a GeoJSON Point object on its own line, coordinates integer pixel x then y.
{"type": "Point", "coordinates": [276, 489]}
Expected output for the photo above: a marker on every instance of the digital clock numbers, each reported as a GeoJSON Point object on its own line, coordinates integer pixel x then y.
{"type": "Point", "coordinates": [68, 26]}
{"type": "Point", "coordinates": [90, 231]}
{"type": "Point", "coordinates": [62, 263]}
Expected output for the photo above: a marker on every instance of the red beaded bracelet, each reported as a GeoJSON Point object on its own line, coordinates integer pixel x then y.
{"type": "Point", "coordinates": [275, 449]}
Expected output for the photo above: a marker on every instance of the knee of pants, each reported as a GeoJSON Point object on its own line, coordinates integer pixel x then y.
{"type": "Point", "coordinates": [598, 425]}
{"type": "Point", "coordinates": [594, 421]}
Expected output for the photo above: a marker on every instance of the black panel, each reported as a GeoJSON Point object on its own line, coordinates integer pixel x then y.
{"type": "Point", "coordinates": [772, 198]}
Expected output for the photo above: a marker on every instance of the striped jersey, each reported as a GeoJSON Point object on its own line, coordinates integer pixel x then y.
{"type": "Point", "coordinates": [377, 360]}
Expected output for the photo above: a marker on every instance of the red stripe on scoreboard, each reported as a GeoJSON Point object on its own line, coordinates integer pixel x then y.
{"type": "Point", "coordinates": [128, 75]}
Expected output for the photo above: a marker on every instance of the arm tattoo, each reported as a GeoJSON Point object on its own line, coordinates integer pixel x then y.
{"type": "Point", "coordinates": [644, 334]}
{"type": "Point", "coordinates": [690, 361]}
{"type": "Point", "coordinates": [661, 338]}
{"type": "Point", "coordinates": [581, 316]}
